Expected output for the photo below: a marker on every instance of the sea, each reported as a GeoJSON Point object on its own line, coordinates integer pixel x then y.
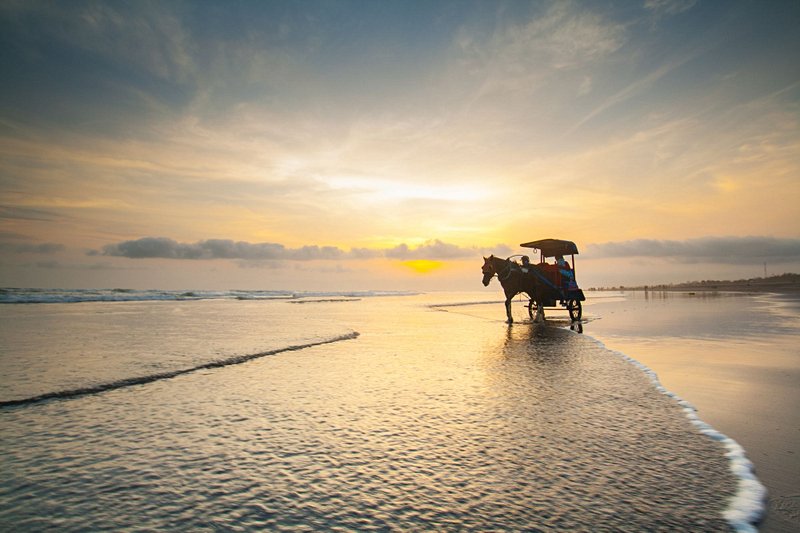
{"type": "Point", "coordinates": [350, 411]}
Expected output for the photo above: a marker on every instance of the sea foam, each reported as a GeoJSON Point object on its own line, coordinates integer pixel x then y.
{"type": "Point", "coordinates": [747, 506]}
{"type": "Point", "coordinates": [12, 295]}
{"type": "Point", "coordinates": [142, 380]}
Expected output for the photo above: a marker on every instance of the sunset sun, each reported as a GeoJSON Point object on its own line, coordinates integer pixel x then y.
{"type": "Point", "coordinates": [423, 266]}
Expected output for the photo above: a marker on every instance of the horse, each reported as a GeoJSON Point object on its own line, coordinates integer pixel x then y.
{"type": "Point", "coordinates": [513, 281]}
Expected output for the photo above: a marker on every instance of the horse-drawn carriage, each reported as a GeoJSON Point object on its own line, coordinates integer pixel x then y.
{"type": "Point", "coordinates": [546, 284]}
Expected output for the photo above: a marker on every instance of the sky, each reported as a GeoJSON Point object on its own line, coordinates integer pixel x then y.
{"type": "Point", "coordinates": [345, 145]}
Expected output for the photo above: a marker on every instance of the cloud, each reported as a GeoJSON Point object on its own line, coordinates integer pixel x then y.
{"type": "Point", "coordinates": [166, 248]}
{"type": "Point", "coordinates": [724, 250]}
{"type": "Point", "coordinates": [162, 247]}
{"type": "Point", "coordinates": [48, 264]}
{"type": "Point", "coordinates": [10, 212]}
{"type": "Point", "coordinates": [57, 265]}
{"type": "Point", "coordinates": [152, 39]}
{"type": "Point", "coordinates": [563, 37]}
{"type": "Point", "coordinates": [132, 62]}
{"type": "Point", "coordinates": [636, 88]}
{"type": "Point", "coordinates": [435, 249]}
{"type": "Point", "coordinates": [669, 7]}
{"type": "Point", "coordinates": [29, 248]}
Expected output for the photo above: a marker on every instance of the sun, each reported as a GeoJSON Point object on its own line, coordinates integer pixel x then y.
{"type": "Point", "coordinates": [423, 266]}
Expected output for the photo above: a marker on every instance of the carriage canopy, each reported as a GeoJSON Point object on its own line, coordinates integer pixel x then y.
{"type": "Point", "coordinates": [552, 247]}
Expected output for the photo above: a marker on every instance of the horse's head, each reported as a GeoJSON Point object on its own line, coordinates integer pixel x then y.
{"type": "Point", "coordinates": [488, 270]}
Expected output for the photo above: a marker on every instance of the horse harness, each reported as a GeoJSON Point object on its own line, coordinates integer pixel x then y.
{"type": "Point", "coordinates": [506, 272]}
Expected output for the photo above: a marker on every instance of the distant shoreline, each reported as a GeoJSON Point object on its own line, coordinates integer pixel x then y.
{"type": "Point", "coordinates": [785, 283]}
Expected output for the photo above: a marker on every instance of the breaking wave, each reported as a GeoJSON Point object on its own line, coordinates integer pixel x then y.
{"type": "Point", "coordinates": [141, 380]}
{"type": "Point", "coordinates": [34, 296]}
{"type": "Point", "coordinates": [747, 506]}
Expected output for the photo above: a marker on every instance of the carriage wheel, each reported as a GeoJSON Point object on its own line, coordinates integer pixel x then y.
{"type": "Point", "coordinates": [536, 311]}
{"type": "Point", "coordinates": [575, 309]}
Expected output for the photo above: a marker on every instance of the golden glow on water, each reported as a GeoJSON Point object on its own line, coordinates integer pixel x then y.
{"type": "Point", "coordinates": [440, 416]}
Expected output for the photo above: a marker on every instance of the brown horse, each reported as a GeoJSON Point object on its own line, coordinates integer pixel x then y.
{"type": "Point", "coordinates": [514, 281]}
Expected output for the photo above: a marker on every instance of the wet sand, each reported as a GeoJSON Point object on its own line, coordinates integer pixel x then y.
{"type": "Point", "coordinates": [431, 419]}
{"type": "Point", "coordinates": [735, 358]}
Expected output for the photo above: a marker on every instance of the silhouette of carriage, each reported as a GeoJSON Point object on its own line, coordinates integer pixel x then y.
{"type": "Point", "coordinates": [547, 284]}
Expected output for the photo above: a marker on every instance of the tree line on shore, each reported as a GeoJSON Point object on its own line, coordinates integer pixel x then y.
{"type": "Point", "coordinates": [782, 282]}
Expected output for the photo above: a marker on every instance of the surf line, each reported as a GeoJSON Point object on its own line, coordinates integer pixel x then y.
{"type": "Point", "coordinates": [747, 506]}
{"type": "Point", "coordinates": [142, 380]}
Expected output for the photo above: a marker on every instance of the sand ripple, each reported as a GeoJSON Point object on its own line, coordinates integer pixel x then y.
{"type": "Point", "coordinates": [428, 420]}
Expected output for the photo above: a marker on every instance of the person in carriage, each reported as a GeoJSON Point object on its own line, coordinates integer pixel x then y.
{"type": "Point", "coordinates": [544, 283]}
{"type": "Point", "coordinates": [567, 275]}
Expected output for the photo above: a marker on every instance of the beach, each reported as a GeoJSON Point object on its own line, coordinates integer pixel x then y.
{"type": "Point", "coordinates": [348, 412]}
{"type": "Point", "coordinates": [734, 357]}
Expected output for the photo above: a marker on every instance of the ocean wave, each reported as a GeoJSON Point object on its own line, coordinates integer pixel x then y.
{"type": "Point", "coordinates": [323, 300]}
{"type": "Point", "coordinates": [748, 505]}
{"type": "Point", "coordinates": [12, 295]}
{"type": "Point", "coordinates": [464, 304]}
{"type": "Point", "coordinates": [141, 380]}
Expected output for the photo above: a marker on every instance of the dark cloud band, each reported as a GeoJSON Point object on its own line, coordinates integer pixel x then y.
{"type": "Point", "coordinates": [727, 250]}
{"type": "Point", "coordinates": [28, 248]}
{"type": "Point", "coordinates": [165, 248]}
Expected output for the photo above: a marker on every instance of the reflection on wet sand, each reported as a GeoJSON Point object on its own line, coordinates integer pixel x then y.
{"type": "Point", "coordinates": [734, 357]}
{"type": "Point", "coordinates": [426, 420]}
{"type": "Point", "coordinates": [593, 435]}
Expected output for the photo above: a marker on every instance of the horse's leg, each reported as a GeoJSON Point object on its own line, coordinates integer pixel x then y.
{"type": "Point", "coordinates": [538, 314]}
{"type": "Point", "coordinates": [508, 308]}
